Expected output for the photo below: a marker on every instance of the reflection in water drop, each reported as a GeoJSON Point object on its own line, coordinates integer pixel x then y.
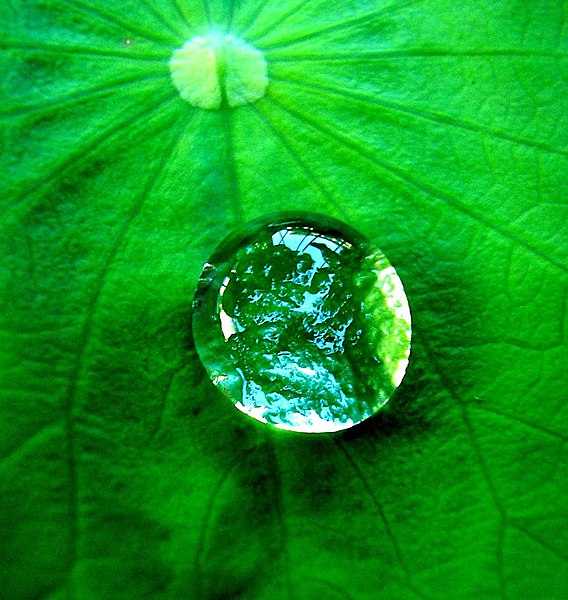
{"type": "Point", "coordinates": [302, 323]}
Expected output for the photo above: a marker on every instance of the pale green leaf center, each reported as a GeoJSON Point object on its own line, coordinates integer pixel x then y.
{"type": "Point", "coordinates": [212, 69]}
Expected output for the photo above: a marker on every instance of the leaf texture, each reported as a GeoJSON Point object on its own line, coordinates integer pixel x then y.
{"type": "Point", "coordinates": [439, 130]}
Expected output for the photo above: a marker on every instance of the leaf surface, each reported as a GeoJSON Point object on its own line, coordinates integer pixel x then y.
{"type": "Point", "coordinates": [439, 130]}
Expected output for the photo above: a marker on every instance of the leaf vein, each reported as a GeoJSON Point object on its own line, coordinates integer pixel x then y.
{"type": "Point", "coordinates": [151, 9]}
{"type": "Point", "coordinates": [230, 15]}
{"type": "Point", "coordinates": [207, 11]}
{"type": "Point", "coordinates": [545, 544]}
{"type": "Point", "coordinates": [301, 163]}
{"type": "Point", "coordinates": [208, 520]}
{"type": "Point", "coordinates": [503, 519]}
{"type": "Point", "coordinates": [344, 25]}
{"type": "Point", "coordinates": [88, 51]}
{"type": "Point", "coordinates": [431, 191]}
{"type": "Point", "coordinates": [507, 416]}
{"type": "Point", "coordinates": [282, 18]}
{"type": "Point", "coordinates": [165, 395]}
{"type": "Point", "coordinates": [232, 165]}
{"type": "Point", "coordinates": [276, 477]}
{"type": "Point", "coordinates": [78, 366]}
{"type": "Point", "coordinates": [339, 591]}
{"type": "Point", "coordinates": [46, 432]}
{"type": "Point", "coordinates": [109, 18]}
{"type": "Point", "coordinates": [421, 113]}
{"type": "Point", "coordinates": [250, 21]}
{"type": "Point", "coordinates": [85, 95]}
{"type": "Point", "coordinates": [79, 156]}
{"type": "Point", "coordinates": [381, 513]}
{"type": "Point", "coordinates": [358, 57]}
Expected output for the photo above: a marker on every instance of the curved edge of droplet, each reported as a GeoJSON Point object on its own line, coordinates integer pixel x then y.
{"type": "Point", "coordinates": [210, 282]}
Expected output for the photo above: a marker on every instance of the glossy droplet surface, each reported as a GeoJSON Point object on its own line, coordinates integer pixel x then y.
{"type": "Point", "coordinates": [302, 323]}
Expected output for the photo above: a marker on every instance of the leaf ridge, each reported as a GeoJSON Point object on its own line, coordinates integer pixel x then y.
{"type": "Point", "coordinates": [381, 513]}
{"type": "Point", "coordinates": [515, 523]}
{"type": "Point", "coordinates": [433, 116]}
{"type": "Point", "coordinates": [85, 95]}
{"type": "Point", "coordinates": [207, 520]}
{"type": "Point", "coordinates": [503, 519]}
{"type": "Point", "coordinates": [282, 18]}
{"type": "Point", "coordinates": [79, 156]}
{"type": "Point", "coordinates": [346, 24]}
{"type": "Point", "coordinates": [78, 366]}
{"type": "Point", "coordinates": [88, 51]}
{"type": "Point", "coordinates": [336, 207]}
{"type": "Point", "coordinates": [416, 53]}
{"type": "Point", "coordinates": [111, 19]}
{"type": "Point", "coordinates": [509, 417]}
{"type": "Point", "coordinates": [424, 187]}
{"type": "Point", "coordinates": [160, 17]}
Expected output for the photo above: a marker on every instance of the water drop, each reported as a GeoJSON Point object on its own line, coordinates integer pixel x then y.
{"type": "Point", "coordinates": [302, 323]}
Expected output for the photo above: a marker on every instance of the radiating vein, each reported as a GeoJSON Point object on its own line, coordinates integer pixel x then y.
{"type": "Point", "coordinates": [230, 15]}
{"type": "Point", "coordinates": [31, 442]}
{"type": "Point", "coordinates": [256, 12]}
{"type": "Point", "coordinates": [158, 15]}
{"type": "Point", "coordinates": [282, 18]}
{"type": "Point", "coordinates": [503, 519]}
{"type": "Point", "coordinates": [92, 93]}
{"type": "Point", "coordinates": [80, 155]}
{"type": "Point", "coordinates": [381, 513]}
{"type": "Point", "coordinates": [208, 519]}
{"type": "Point", "coordinates": [517, 419]}
{"type": "Point", "coordinates": [404, 176]}
{"type": "Point", "coordinates": [276, 477]}
{"type": "Point", "coordinates": [179, 9]}
{"type": "Point", "coordinates": [207, 11]}
{"type": "Point", "coordinates": [82, 346]}
{"type": "Point", "coordinates": [301, 163]}
{"type": "Point", "coordinates": [231, 165]}
{"type": "Point", "coordinates": [545, 544]}
{"type": "Point", "coordinates": [421, 113]}
{"type": "Point", "coordinates": [388, 54]}
{"type": "Point", "coordinates": [344, 25]}
{"type": "Point", "coordinates": [113, 20]}
{"type": "Point", "coordinates": [498, 505]}
{"type": "Point", "coordinates": [166, 393]}
{"type": "Point", "coordinates": [88, 51]}
{"type": "Point", "coordinates": [545, 346]}
{"type": "Point", "coordinates": [338, 591]}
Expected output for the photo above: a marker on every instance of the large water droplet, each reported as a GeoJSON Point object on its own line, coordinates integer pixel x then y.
{"type": "Point", "coordinates": [302, 323]}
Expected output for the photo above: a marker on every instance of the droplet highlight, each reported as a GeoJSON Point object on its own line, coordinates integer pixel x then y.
{"type": "Point", "coordinates": [209, 70]}
{"type": "Point", "coordinates": [302, 323]}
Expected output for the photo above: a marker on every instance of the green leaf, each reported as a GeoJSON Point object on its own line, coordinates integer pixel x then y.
{"type": "Point", "coordinates": [439, 130]}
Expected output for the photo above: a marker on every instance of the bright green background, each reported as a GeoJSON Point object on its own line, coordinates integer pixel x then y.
{"type": "Point", "coordinates": [439, 129]}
